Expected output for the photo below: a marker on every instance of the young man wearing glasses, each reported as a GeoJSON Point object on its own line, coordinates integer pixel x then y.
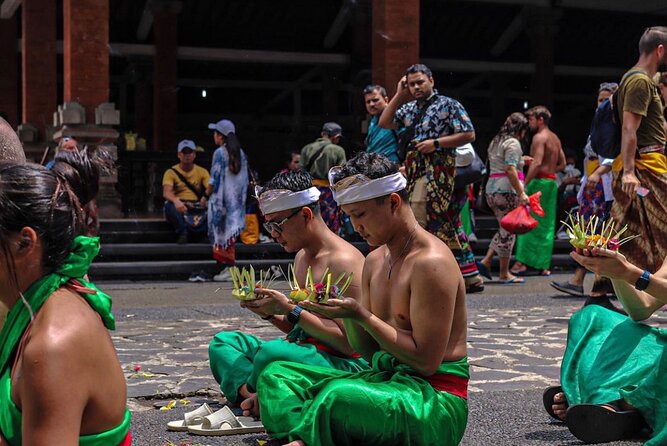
{"type": "Point", "coordinates": [290, 206]}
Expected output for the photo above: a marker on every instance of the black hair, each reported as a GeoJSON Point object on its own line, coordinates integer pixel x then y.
{"type": "Point", "coordinates": [371, 165]}
{"type": "Point", "coordinates": [419, 68]}
{"type": "Point", "coordinates": [295, 181]}
{"type": "Point", "coordinates": [33, 196]}
{"type": "Point", "coordinates": [375, 87]}
{"type": "Point", "coordinates": [290, 153]}
{"type": "Point", "coordinates": [512, 127]}
{"type": "Point", "coordinates": [81, 172]}
{"type": "Point", "coordinates": [233, 150]}
{"type": "Point", "coordinates": [652, 37]}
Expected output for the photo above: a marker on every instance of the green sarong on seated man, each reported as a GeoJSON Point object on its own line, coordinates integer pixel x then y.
{"type": "Point", "coordinates": [535, 248]}
{"type": "Point", "coordinates": [387, 405]}
{"type": "Point", "coordinates": [610, 357]}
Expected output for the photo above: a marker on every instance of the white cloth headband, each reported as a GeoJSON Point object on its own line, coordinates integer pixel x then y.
{"type": "Point", "coordinates": [360, 188]}
{"type": "Point", "coordinates": [277, 200]}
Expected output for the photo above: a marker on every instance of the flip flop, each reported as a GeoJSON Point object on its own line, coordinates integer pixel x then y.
{"type": "Point", "coordinates": [192, 418]}
{"type": "Point", "coordinates": [483, 270]}
{"type": "Point", "coordinates": [224, 422]}
{"type": "Point", "coordinates": [532, 272]}
{"type": "Point", "coordinates": [512, 281]}
{"type": "Point", "coordinates": [548, 401]}
{"type": "Point", "coordinates": [601, 423]}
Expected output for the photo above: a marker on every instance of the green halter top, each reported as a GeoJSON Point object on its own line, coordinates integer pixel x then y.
{"type": "Point", "coordinates": [76, 266]}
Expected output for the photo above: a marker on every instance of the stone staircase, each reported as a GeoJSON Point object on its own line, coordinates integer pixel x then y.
{"type": "Point", "coordinates": [144, 249]}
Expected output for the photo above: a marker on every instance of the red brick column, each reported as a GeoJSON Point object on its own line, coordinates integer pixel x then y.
{"type": "Point", "coordinates": [86, 53]}
{"type": "Point", "coordinates": [9, 74]}
{"type": "Point", "coordinates": [395, 40]}
{"type": "Point", "coordinates": [164, 75]}
{"type": "Point", "coordinates": [39, 62]}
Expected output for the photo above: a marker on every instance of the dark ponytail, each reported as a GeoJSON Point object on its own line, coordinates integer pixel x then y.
{"type": "Point", "coordinates": [81, 172]}
{"type": "Point", "coordinates": [234, 151]}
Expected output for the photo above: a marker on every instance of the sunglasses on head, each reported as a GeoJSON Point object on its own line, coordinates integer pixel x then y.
{"type": "Point", "coordinates": [272, 226]}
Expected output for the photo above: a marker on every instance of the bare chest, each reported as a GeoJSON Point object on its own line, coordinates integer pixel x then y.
{"type": "Point", "coordinates": [390, 298]}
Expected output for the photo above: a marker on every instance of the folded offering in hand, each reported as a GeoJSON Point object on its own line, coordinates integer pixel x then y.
{"type": "Point", "coordinates": [245, 282]}
{"type": "Point", "coordinates": [321, 291]}
{"type": "Point", "coordinates": [586, 235]}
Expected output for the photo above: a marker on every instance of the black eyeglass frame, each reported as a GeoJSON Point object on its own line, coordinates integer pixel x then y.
{"type": "Point", "coordinates": [272, 226]}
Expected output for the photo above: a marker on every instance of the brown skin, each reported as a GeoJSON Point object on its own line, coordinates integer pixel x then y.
{"type": "Point", "coordinates": [317, 247]}
{"type": "Point", "coordinates": [186, 161]}
{"type": "Point", "coordinates": [375, 102]}
{"type": "Point", "coordinates": [649, 63]}
{"type": "Point", "coordinates": [67, 344]}
{"type": "Point", "coordinates": [420, 87]}
{"type": "Point", "coordinates": [294, 162]}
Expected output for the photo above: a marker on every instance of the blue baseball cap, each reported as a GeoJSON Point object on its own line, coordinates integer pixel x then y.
{"type": "Point", "coordinates": [224, 126]}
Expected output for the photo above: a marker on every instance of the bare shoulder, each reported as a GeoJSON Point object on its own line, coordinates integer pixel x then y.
{"type": "Point", "coordinates": [433, 255]}
{"type": "Point", "coordinates": [346, 258]}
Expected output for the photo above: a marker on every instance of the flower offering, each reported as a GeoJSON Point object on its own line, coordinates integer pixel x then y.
{"type": "Point", "coordinates": [245, 282]}
{"type": "Point", "coordinates": [584, 234]}
{"type": "Point", "coordinates": [321, 291]}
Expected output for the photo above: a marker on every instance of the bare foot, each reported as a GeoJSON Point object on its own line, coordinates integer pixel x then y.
{"type": "Point", "coordinates": [244, 392]}
{"type": "Point", "coordinates": [250, 406]}
{"type": "Point", "coordinates": [518, 267]}
{"type": "Point", "coordinates": [296, 443]}
{"type": "Point", "coordinates": [560, 405]}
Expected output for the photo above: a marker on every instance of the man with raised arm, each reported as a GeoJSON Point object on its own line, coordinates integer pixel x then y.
{"type": "Point", "coordinates": [289, 203]}
{"type": "Point", "coordinates": [410, 323]}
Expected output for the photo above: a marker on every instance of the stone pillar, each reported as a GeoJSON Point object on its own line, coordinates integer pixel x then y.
{"type": "Point", "coordinates": [395, 40]}
{"type": "Point", "coordinates": [9, 74]}
{"type": "Point", "coordinates": [38, 54]}
{"type": "Point", "coordinates": [541, 30]}
{"type": "Point", "coordinates": [165, 14]}
{"type": "Point", "coordinates": [86, 53]}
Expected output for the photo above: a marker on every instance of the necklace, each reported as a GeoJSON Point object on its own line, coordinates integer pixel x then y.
{"type": "Point", "coordinates": [398, 257]}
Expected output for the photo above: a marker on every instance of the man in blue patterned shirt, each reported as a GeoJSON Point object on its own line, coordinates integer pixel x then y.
{"type": "Point", "coordinates": [440, 125]}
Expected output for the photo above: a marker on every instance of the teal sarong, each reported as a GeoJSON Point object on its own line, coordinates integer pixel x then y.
{"type": "Point", "coordinates": [387, 405]}
{"type": "Point", "coordinates": [535, 248]}
{"type": "Point", "coordinates": [238, 358]}
{"type": "Point", "coordinates": [610, 357]}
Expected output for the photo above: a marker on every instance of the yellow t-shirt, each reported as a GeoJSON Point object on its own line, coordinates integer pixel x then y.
{"type": "Point", "coordinates": [198, 177]}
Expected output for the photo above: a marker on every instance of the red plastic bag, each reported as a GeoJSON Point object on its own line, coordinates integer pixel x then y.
{"type": "Point", "coordinates": [519, 220]}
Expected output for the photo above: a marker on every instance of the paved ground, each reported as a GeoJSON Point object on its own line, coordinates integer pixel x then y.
{"type": "Point", "coordinates": [516, 339]}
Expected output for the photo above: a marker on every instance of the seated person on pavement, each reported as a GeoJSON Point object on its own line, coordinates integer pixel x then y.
{"type": "Point", "coordinates": [410, 323]}
{"type": "Point", "coordinates": [289, 203]}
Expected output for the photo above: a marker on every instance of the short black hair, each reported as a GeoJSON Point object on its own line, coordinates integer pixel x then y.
{"type": "Point", "coordinates": [371, 165]}
{"type": "Point", "coordinates": [652, 37]}
{"type": "Point", "coordinates": [419, 68]}
{"type": "Point", "coordinates": [375, 87]}
{"type": "Point", "coordinates": [295, 181]}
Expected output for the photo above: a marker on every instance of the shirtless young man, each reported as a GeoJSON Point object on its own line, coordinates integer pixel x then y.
{"type": "Point", "coordinates": [290, 206]}
{"type": "Point", "coordinates": [410, 323]}
{"type": "Point", "coordinates": [535, 248]}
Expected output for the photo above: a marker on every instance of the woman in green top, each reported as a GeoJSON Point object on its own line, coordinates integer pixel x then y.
{"type": "Point", "coordinates": [60, 380]}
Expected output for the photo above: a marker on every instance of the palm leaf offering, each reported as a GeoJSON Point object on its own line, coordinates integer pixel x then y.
{"type": "Point", "coordinates": [245, 282]}
{"type": "Point", "coordinates": [320, 291]}
{"type": "Point", "coordinates": [585, 234]}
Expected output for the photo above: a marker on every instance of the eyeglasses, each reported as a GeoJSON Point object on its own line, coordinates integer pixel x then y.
{"type": "Point", "coordinates": [272, 226]}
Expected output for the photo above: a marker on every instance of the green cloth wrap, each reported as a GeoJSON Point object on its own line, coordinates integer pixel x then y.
{"type": "Point", "coordinates": [535, 248]}
{"type": "Point", "coordinates": [610, 357]}
{"type": "Point", "coordinates": [387, 405]}
{"type": "Point", "coordinates": [84, 250]}
{"type": "Point", "coordinates": [466, 221]}
{"type": "Point", "coordinates": [238, 358]}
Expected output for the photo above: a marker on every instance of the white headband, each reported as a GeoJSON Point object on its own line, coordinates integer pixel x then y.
{"type": "Point", "coordinates": [360, 188]}
{"type": "Point", "coordinates": [277, 200]}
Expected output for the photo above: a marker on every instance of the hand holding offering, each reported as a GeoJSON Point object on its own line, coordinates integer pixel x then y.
{"type": "Point", "coordinates": [320, 291]}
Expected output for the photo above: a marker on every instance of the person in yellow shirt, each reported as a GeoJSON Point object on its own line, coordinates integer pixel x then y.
{"type": "Point", "coordinates": [184, 191]}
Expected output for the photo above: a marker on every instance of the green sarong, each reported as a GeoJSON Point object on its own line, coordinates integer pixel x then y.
{"type": "Point", "coordinates": [387, 405]}
{"type": "Point", "coordinates": [238, 358]}
{"type": "Point", "coordinates": [535, 248]}
{"type": "Point", "coordinates": [610, 357]}
{"type": "Point", "coordinates": [466, 221]}
{"type": "Point", "coordinates": [76, 266]}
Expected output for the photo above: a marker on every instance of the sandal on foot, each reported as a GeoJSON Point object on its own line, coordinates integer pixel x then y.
{"type": "Point", "coordinates": [224, 422]}
{"type": "Point", "coordinates": [512, 281]}
{"type": "Point", "coordinates": [191, 418]}
{"type": "Point", "coordinates": [601, 423]}
{"type": "Point", "coordinates": [548, 401]}
{"type": "Point", "coordinates": [483, 270]}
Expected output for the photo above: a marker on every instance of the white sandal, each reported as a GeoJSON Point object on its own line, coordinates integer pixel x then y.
{"type": "Point", "coordinates": [224, 422]}
{"type": "Point", "coordinates": [192, 418]}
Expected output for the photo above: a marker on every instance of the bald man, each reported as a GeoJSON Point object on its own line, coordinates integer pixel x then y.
{"type": "Point", "coordinates": [10, 146]}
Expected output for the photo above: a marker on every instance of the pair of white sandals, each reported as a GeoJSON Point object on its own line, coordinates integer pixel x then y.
{"type": "Point", "coordinates": [204, 421]}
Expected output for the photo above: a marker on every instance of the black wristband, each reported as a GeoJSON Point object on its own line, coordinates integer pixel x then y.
{"type": "Point", "coordinates": [294, 315]}
{"type": "Point", "coordinates": [642, 283]}
{"type": "Point", "coordinates": [436, 143]}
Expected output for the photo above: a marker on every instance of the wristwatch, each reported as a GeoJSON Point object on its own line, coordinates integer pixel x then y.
{"type": "Point", "coordinates": [643, 280]}
{"type": "Point", "coordinates": [294, 315]}
{"type": "Point", "coordinates": [436, 143]}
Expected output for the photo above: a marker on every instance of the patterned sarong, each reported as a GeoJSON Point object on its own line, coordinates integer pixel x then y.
{"type": "Point", "coordinates": [609, 357]}
{"type": "Point", "coordinates": [535, 248]}
{"type": "Point", "coordinates": [387, 405]}
{"type": "Point", "coordinates": [645, 216]}
{"type": "Point", "coordinates": [329, 208]}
